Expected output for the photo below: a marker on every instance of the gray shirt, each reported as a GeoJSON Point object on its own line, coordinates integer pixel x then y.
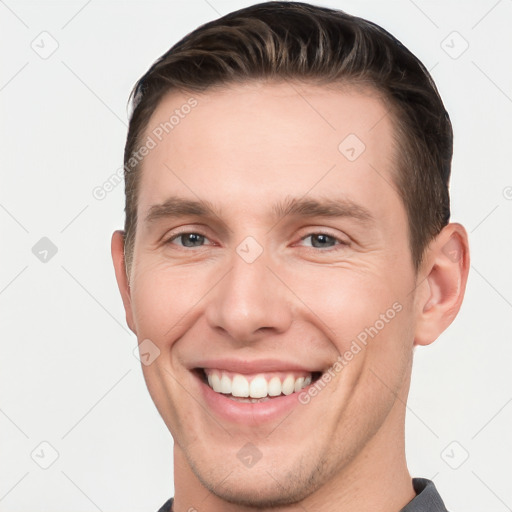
{"type": "Point", "coordinates": [427, 498]}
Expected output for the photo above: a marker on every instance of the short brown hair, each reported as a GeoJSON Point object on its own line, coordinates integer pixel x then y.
{"type": "Point", "coordinates": [298, 41]}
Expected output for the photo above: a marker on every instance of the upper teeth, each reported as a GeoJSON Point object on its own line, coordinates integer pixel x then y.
{"type": "Point", "coordinates": [258, 386]}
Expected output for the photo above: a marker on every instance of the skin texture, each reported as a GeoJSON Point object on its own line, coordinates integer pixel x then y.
{"type": "Point", "coordinates": [243, 148]}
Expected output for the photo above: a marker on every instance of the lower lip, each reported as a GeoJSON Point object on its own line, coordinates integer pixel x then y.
{"type": "Point", "coordinates": [247, 412]}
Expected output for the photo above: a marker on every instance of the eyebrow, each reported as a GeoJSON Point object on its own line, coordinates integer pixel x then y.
{"type": "Point", "coordinates": [176, 207]}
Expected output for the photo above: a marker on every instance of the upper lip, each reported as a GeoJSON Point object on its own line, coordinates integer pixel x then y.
{"type": "Point", "coordinates": [245, 366]}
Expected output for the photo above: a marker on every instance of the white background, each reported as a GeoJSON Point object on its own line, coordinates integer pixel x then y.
{"type": "Point", "coordinates": [68, 374]}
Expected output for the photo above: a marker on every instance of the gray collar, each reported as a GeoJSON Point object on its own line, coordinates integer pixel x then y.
{"type": "Point", "coordinates": [427, 498]}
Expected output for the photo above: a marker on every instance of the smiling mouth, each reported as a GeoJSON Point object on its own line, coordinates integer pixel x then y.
{"type": "Point", "coordinates": [256, 388]}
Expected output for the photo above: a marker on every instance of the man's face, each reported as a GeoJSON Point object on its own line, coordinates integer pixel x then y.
{"type": "Point", "coordinates": [256, 292]}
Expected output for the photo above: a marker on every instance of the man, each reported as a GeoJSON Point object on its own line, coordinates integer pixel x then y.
{"type": "Point", "coordinates": [287, 244]}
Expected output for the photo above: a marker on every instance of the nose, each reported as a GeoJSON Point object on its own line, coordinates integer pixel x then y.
{"type": "Point", "coordinates": [249, 301]}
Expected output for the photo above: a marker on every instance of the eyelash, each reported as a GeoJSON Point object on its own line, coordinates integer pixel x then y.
{"type": "Point", "coordinates": [341, 243]}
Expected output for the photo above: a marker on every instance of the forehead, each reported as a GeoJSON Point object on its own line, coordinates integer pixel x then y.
{"type": "Point", "coordinates": [247, 145]}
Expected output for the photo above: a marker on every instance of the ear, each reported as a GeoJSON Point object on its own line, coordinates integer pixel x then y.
{"type": "Point", "coordinates": [117, 249]}
{"type": "Point", "coordinates": [445, 272]}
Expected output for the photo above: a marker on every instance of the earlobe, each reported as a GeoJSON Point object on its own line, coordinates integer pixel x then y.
{"type": "Point", "coordinates": [117, 250]}
{"type": "Point", "coordinates": [442, 290]}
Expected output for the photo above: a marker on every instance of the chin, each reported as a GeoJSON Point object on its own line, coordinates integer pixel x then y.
{"type": "Point", "coordinates": [260, 497]}
{"type": "Point", "coordinates": [263, 487]}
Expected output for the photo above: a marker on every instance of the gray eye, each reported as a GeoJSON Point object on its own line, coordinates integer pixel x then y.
{"type": "Point", "coordinates": [320, 240]}
{"type": "Point", "coordinates": [191, 239]}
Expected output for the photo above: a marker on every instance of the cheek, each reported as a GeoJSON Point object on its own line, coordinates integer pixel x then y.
{"type": "Point", "coordinates": [164, 299]}
{"type": "Point", "coordinates": [347, 301]}
{"type": "Point", "coordinates": [367, 317]}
